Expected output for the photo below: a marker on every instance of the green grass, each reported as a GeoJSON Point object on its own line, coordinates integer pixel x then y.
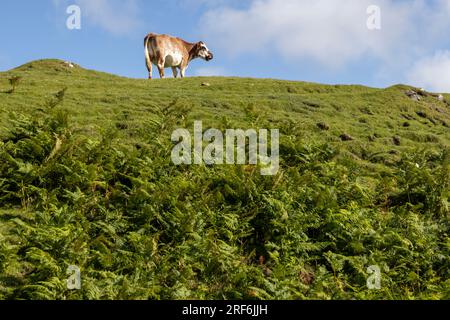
{"type": "Point", "coordinates": [86, 180]}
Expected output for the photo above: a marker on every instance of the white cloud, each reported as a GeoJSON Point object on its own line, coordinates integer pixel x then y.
{"type": "Point", "coordinates": [195, 4]}
{"type": "Point", "coordinates": [332, 33]}
{"type": "Point", "coordinates": [119, 17]}
{"type": "Point", "coordinates": [432, 73]}
{"type": "Point", "coordinates": [116, 16]}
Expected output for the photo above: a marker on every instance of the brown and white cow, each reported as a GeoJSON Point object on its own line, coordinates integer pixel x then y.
{"type": "Point", "coordinates": [166, 51]}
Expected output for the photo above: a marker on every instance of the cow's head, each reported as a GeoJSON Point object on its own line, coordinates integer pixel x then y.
{"type": "Point", "coordinates": [202, 51]}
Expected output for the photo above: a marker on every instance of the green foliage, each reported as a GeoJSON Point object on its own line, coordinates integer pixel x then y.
{"type": "Point", "coordinates": [14, 82]}
{"type": "Point", "coordinates": [108, 200]}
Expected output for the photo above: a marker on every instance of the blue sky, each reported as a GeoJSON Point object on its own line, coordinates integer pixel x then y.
{"type": "Point", "coordinates": [325, 41]}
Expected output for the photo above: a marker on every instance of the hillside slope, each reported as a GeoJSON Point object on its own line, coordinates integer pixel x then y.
{"type": "Point", "coordinates": [99, 99]}
{"type": "Point", "coordinates": [86, 180]}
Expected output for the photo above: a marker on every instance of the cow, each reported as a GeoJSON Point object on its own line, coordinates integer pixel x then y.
{"type": "Point", "coordinates": [166, 51]}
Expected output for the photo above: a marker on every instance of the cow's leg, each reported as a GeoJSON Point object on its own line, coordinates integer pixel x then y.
{"type": "Point", "coordinates": [183, 71]}
{"type": "Point", "coordinates": [175, 72]}
{"type": "Point", "coordinates": [150, 70]}
{"type": "Point", "coordinates": [161, 64]}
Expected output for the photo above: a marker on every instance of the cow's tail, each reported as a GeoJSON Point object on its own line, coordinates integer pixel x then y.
{"type": "Point", "coordinates": [148, 61]}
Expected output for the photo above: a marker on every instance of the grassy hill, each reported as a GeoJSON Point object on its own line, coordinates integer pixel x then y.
{"type": "Point", "coordinates": [86, 179]}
